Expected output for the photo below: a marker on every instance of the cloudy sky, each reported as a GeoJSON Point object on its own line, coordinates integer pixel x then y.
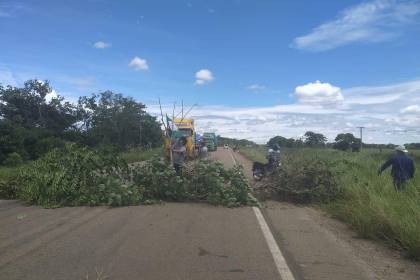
{"type": "Point", "coordinates": [255, 69]}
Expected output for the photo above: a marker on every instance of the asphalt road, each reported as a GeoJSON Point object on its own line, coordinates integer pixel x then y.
{"type": "Point", "coordinates": [168, 241]}
{"type": "Point", "coordinates": [318, 247]}
{"type": "Point", "coordinates": [175, 241]}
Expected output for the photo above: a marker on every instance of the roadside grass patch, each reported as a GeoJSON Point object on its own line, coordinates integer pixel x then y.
{"type": "Point", "coordinates": [8, 182]}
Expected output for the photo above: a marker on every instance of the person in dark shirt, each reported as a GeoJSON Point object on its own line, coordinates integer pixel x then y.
{"type": "Point", "coordinates": [402, 167]}
{"type": "Point", "coordinates": [179, 151]}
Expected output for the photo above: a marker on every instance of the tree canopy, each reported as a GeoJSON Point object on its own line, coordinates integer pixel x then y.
{"type": "Point", "coordinates": [32, 124]}
{"type": "Point", "coordinates": [313, 139]}
{"type": "Point", "coordinates": [346, 141]}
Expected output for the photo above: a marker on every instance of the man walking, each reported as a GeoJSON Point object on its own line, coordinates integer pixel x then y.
{"type": "Point", "coordinates": [402, 167]}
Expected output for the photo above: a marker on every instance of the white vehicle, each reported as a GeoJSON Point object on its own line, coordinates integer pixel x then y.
{"type": "Point", "coordinates": [226, 146]}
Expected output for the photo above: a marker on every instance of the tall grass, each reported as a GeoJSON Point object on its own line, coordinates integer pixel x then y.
{"type": "Point", "coordinates": [140, 154]}
{"type": "Point", "coordinates": [367, 202]}
{"type": "Point", "coordinates": [255, 153]}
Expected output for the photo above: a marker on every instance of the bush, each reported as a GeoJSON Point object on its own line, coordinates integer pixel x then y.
{"type": "Point", "coordinates": [13, 159]}
{"type": "Point", "coordinates": [218, 186]}
{"type": "Point", "coordinates": [71, 176]}
{"type": "Point", "coordinates": [80, 176]}
{"type": "Point", "coordinates": [8, 182]}
{"type": "Point", "coordinates": [305, 180]}
{"type": "Point", "coordinates": [199, 181]}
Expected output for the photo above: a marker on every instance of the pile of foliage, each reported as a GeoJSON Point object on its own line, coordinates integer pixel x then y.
{"type": "Point", "coordinates": [77, 175]}
{"type": "Point", "coordinates": [304, 179]}
{"type": "Point", "coordinates": [200, 181]}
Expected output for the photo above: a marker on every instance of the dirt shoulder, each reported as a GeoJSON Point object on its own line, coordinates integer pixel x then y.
{"type": "Point", "coordinates": [320, 247]}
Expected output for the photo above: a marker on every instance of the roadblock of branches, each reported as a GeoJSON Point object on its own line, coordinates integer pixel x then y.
{"type": "Point", "coordinates": [76, 175]}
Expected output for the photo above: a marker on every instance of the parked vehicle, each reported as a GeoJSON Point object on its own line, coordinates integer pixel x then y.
{"type": "Point", "coordinates": [211, 140]}
{"type": "Point", "coordinates": [260, 170]}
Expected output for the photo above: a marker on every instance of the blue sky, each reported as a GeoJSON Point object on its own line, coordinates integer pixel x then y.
{"type": "Point", "coordinates": [255, 68]}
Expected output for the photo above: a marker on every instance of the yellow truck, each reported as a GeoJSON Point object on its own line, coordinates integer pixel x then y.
{"type": "Point", "coordinates": [182, 127]}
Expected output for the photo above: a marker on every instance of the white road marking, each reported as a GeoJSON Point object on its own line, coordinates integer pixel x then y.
{"type": "Point", "coordinates": [279, 260]}
{"type": "Point", "coordinates": [234, 161]}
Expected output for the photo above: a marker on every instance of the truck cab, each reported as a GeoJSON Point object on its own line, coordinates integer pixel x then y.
{"type": "Point", "coordinates": [211, 140]}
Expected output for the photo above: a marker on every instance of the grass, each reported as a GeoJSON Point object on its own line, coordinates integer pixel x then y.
{"type": "Point", "coordinates": [368, 202]}
{"type": "Point", "coordinates": [255, 153]}
{"type": "Point", "coordinates": [8, 186]}
{"type": "Point", "coordinates": [140, 154]}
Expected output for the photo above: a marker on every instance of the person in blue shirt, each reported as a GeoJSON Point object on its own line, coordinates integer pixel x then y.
{"type": "Point", "coordinates": [402, 167]}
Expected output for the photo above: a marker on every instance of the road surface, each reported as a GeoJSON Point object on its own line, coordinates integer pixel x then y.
{"type": "Point", "coordinates": [182, 241]}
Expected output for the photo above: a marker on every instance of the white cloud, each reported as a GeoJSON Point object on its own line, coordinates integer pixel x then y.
{"type": "Point", "coordinates": [52, 94]}
{"type": "Point", "coordinates": [256, 87]}
{"type": "Point", "coordinates": [138, 63]}
{"type": "Point", "coordinates": [318, 93]}
{"type": "Point", "coordinates": [203, 76]}
{"type": "Point", "coordinates": [101, 45]}
{"type": "Point", "coordinates": [368, 22]}
{"type": "Point", "coordinates": [412, 109]}
{"type": "Point", "coordinates": [361, 106]}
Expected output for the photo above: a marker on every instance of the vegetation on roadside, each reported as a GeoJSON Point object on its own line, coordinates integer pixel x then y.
{"type": "Point", "coordinates": [8, 182]}
{"type": "Point", "coordinates": [33, 122]}
{"type": "Point", "coordinates": [78, 175]}
{"type": "Point", "coordinates": [140, 154]}
{"type": "Point", "coordinates": [347, 186]}
{"type": "Point", "coordinates": [257, 153]}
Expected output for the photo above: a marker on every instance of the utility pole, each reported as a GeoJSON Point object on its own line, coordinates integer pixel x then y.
{"type": "Point", "coordinates": [361, 136]}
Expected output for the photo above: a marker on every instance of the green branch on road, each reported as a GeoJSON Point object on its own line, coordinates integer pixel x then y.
{"type": "Point", "coordinates": [78, 175]}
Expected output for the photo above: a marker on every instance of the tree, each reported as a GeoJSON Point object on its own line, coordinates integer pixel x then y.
{"type": "Point", "coordinates": [313, 139]}
{"type": "Point", "coordinates": [28, 107]}
{"type": "Point", "coordinates": [346, 141]}
{"type": "Point", "coordinates": [281, 141]}
{"type": "Point", "coordinates": [110, 118]}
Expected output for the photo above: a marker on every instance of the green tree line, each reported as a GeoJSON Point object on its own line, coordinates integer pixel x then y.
{"type": "Point", "coordinates": [343, 142]}
{"type": "Point", "coordinates": [32, 124]}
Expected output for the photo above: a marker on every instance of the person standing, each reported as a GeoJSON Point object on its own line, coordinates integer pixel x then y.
{"type": "Point", "coordinates": [203, 150]}
{"type": "Point", "coordinates": [402, 167]}
{"type": "Point", "coordinates": [273, 156]}
{"type": "Point", "coordinates": [179, 150]}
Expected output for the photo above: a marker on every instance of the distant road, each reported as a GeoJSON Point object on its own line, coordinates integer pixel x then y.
{"type": "Point", "coordinates": [176, 241]}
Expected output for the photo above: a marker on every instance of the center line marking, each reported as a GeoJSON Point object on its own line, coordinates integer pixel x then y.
{"type": "Point", "coordinates": [281, 264]}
